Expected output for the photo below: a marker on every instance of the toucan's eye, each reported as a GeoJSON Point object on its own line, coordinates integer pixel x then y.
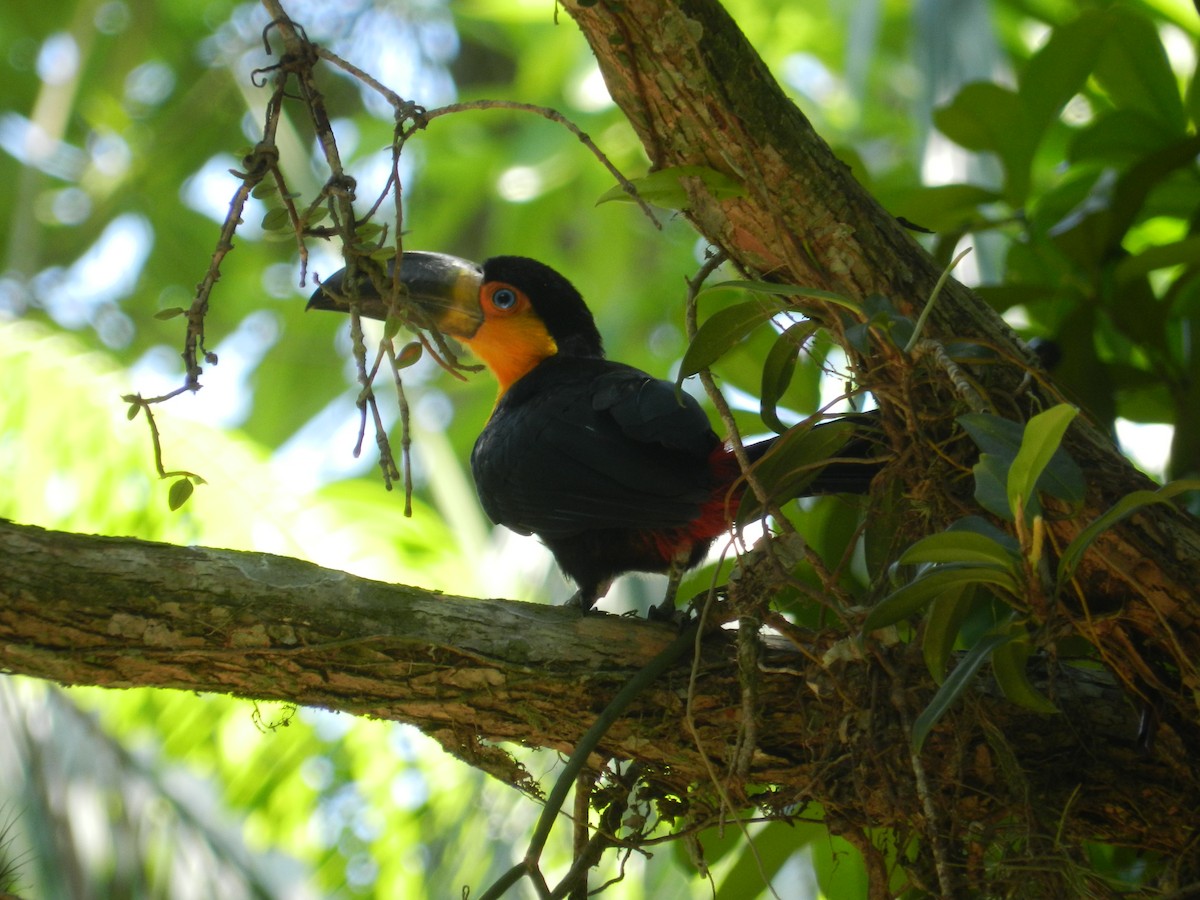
{"type": "Point", "coordinates": [505, 298]}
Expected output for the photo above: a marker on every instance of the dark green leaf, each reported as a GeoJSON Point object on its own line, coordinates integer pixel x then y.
{"type": "Point", "coordinates": [954, 685]}
{"type": "Point", "coordinates": [1161, 256]}
{"type": "Point", "coordinates": [320, 214]}
{"type": "Point", "coordinates": [1002, 438]}
{"type": "Point", "coordinates": [723, 330]}
{"type": "Point", "coordinates": [778, 369]}
{"type": "Point", "coordinates": [1119, 137]}
{"type": "Point", "coordinates": [986, 117]}
{"type": "Point", "coordinates": [773, 289]}
{"type": "Point", "coordinates": [991, 485]}
{"type": "Point", "coordinates": [942, 625]}
{"type": "Point", "coordinates": [792, 463]}
{"type": "Point", "coordinates": [1059, 70]}
{"type": "Point", "coordinates": [1009, 661]}
{"type": "Point", "coordinates": [1134, 70]}
{"type": "Point", "coordinates": [940, 208]}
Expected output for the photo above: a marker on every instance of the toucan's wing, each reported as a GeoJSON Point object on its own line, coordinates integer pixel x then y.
{"type": "Point", "coordinates": [583, 444]}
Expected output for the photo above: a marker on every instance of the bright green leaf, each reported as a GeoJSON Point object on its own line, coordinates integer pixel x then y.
{"type": "Point", "coordinates": [169, 313]}
{"type": "Point", "coordinates": [1041, 440]}
{"type": "Point", "coordinates": [391, 327]}
{"type": "Point", "coordinates": [179, 493]}
{"type": "Point", "coordinates": [665, 187]}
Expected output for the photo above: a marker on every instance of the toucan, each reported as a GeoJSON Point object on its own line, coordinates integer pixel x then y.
{"type": "Point", "coordinates": [613, 469]}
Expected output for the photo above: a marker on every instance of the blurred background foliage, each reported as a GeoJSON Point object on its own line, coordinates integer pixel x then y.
{"type": "Point", "coordinates": [1056, 136]}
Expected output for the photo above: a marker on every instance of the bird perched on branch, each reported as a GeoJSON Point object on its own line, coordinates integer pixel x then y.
{"type": "Point", "coordinates": [614, 470]}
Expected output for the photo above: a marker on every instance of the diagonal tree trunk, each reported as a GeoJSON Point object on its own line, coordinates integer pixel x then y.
{"type": "Point", "coordinates": [698, 94]}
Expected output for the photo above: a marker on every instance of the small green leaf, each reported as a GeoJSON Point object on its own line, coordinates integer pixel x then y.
{"type": "Point", "coordinates": [409, 354]}
{"type": "Point", "coordinates": [169, 313]}
{"type": "Point", "coordinates": [954, 685]}
{"type": "Point", "coordinates": [723, 330]}
{"type": "Point", "coordinates": [134, 409]}
{"type": "Point", "coordinates": [276, 219]}
{"type": "Point", "coordinates": [1009, 667]}
{"type": "Point", "coordinates": [1124, 507]}
{"type": "Point", "coordinates": [179, 493]}
{"type": "Point", "coordinates": [922, 590]}
{"type": "Point", "coordinates": [959, 547]}
{"type": "Point", "coordinates": [778, 369]}
{"type": "Point", "coordinates": [665, 187]}
{"type": "Point", "coordinates": [1042, 437]}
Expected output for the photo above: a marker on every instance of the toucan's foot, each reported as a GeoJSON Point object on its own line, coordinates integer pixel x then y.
{"type": "Point", "coordinates": [575, 601]}
{"type": "Point", "coordinates": [666, 611]}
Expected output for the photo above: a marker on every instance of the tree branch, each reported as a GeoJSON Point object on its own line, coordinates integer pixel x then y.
{"type": "Point", "coordinates": [122, 613]}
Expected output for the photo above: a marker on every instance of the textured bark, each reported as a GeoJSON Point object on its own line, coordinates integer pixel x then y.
{"type": "Point", "coordinates": [122, 613]}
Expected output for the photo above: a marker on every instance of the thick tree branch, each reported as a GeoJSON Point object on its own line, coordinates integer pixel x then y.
{"type": "Point", "coordinates": [121, 613]}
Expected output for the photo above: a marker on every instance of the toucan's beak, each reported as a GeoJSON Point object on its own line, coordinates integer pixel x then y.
{"type": "Point", "coordinates": [444, 288]}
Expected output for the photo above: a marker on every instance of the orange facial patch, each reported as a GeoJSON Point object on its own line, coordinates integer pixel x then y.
{"type": "Point", "coordinates": [512, 339]}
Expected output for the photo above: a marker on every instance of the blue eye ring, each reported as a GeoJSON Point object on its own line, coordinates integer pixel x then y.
{"type": "Point", "coordinates": [504, 298]}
